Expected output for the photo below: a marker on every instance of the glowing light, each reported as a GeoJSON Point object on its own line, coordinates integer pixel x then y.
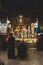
{"type": "Point", "coordinates": [8, 21]}
{"type": "Point", "coordinates": [20, 16]}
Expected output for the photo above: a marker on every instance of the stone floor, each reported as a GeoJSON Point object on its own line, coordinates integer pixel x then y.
{"type": "Point", "coordinates": [34, 58]}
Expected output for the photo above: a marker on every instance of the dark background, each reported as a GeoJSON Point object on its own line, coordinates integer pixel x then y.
{"type": "Point", "coordinates": [28, 7]}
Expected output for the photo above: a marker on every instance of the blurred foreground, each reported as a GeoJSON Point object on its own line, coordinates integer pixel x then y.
{"type": "Point", "coordinates": [34, 58]}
